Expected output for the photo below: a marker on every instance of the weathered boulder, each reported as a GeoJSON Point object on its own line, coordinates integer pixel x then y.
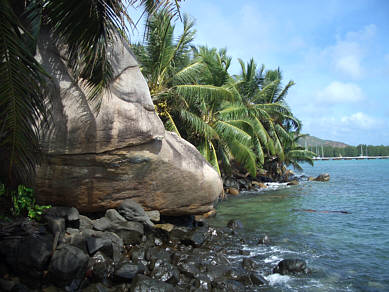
{"type": "Point", "coordinates": [67, 264]}
{"type": "Point", "coordinates": [28, 256]}
{"type": "Point", "coordinates": [96, 160]}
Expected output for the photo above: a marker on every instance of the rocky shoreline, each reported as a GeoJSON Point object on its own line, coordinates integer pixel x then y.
{"type": "Point", "coordinates": [238, 182]}
{"type": "Point", "coordinates": [126, 249]}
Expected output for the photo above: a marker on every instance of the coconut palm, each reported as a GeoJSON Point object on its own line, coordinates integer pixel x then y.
{"type": "Point", "coordinates": [190, 90]}
{"type": "Point", "coordinates": [295, 153]}
{"type": "Point", "coordinates": [219, 136]}
{"type": "Point", "coordinates": [86, 28]}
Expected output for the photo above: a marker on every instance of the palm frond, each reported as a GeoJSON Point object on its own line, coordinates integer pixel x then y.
{"type": "Point", "coordinates": [258, 150]}
{"type": "Point", "coordinates": [259, 129]}
{"type": "Point", "coordinates": [22, 106]}
{"type": "Point", "coordinates": [198, 125]}
{"type": "Point", "coordinates": [229, 131]}
{"type": "Point", "coordinates": [281, 133]}
{"type": "Point", "coordinates": [244, 155]}
{"type": "Point", "coordinates": [189, 74]}
{"type": "Point", "coordinates": [209, 93]}
{"type": "Point", "coordinates": [284, 92]}
{"type": "Point", "coordinates": [214, 159]}
{"type": "Point", "coordinates": [233, 111]}
{"type": "Point", "coordinates": [88, 28]}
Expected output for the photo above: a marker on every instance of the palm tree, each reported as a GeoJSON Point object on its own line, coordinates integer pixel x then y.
{"type": "Point", "coordinates": [218, 135]}
{"type": "Point", "coordinates": [189, 90]}
{"type": "Point", "coordinates": [87, 28]}
{"type": "Point", "coordinates": [263, 98]}
{"type": "Point", "coordinates": [295, 153]}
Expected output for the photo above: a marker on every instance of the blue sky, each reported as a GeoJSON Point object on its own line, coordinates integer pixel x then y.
{"type": "Point", "coordinates": [337, 52]}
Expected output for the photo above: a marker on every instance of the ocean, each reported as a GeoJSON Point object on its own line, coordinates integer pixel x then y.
{"type": "Point", "coordinates": [346, 251]}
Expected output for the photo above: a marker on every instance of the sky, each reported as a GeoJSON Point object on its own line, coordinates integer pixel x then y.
{"type": "Point", "coordinates": [336, 51]}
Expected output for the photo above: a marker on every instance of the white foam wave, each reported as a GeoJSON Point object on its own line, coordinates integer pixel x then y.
{"type": "Point", "coordinates": [272, 259]}
{"type": "Point", "coordinates": [275, 185]}
{"type": "Point", "coordinates": [276, 279]}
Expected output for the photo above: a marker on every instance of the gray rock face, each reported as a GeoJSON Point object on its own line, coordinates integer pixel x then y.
{"type": "Point", "coordinates": [95, 161]}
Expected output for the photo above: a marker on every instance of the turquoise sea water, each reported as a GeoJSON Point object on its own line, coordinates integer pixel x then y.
{"type": "Point", "coordinates": [346, 252]}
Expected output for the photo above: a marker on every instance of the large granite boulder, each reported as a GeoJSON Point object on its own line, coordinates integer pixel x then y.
{"type": "Point", "coordinates": [95, 160]}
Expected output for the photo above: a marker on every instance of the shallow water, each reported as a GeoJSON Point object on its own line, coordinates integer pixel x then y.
{"type": "Point", "coordinates": [346, 252]}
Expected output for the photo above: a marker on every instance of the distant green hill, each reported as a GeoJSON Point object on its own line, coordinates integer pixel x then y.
{"type": "Point", "coordinates": [314, 141]}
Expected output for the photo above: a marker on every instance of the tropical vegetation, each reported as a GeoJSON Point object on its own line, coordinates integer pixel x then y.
{"type": "Point", "coordinates": [242, 118]}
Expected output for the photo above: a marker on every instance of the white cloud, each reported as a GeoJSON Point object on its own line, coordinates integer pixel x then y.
{"type": "Point", "coordinates": [348, 53]}
{"type": "Point", "coordinates": [339, 92]}
{"type": "Point", "coordinates": [349, 65]}
{"type": "Point", "coordinates": [364, 34]}
{"type": "Point", "coordinates": [359, 120]}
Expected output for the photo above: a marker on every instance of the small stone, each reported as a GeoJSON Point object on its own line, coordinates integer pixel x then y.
{"type": "Point", "coordinates": [101, 266]}
{"type": "Point", "coordinates": [154, 215]}
{"type": "Point", "coordinates": [133, 211]}
{"type": "Point", "coordinates": [234, 191]}
{"type": "Point", "coordinates": [126, 271]}
{"type": "Point", "coordinates": [178, 234]}
{"type": "Point", "coordinates": [259, 184]}
{"type": "Point", "coordinates": [167, 226]}
{"type": "Point", "coordinates": [293, 183]}
{"type": "Point", "coordinates": [142, 283]}
{"type": "Point", "coordinates": [114, 216]}
{"type": "Point", "coordinates": [204, 216]}
{"type": "Point", "coordinates": [85, 223]}
{"type": "Point", "coordinates": [264, 240]}
{"type": "Point", "coordinates": [235, 224]}
{"type": "Point", "coordinates": [129, 232]}
{"type": "Point", "coordinates": [102, 224]}
{"type": "Point", "coordinates": [103, 244]}
{"type": "Point", "coordinates": [291, 266]}
{"type": "Point", "coordinates": [158, 242]}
